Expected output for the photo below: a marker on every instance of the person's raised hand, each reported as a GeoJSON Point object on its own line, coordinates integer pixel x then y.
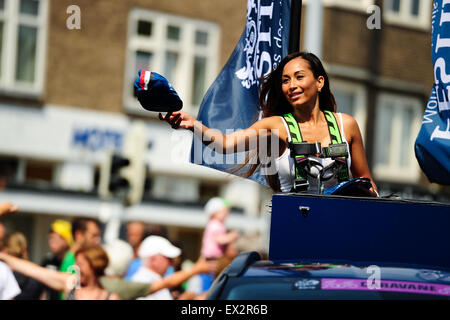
{"type": "Point", "coordinates": [205, 266]}
{"type": "Point", "coordinates": [7, 207]}
{"type": "Point", "coordinates": [179, 120]}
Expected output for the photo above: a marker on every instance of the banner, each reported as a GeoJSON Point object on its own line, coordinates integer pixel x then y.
{"type": "Point", "coordinates": [432, 145]}
{"type": "Point", "coordinates": [231, 103]}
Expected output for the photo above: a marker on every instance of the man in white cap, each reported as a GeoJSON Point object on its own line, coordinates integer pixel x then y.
{"type": "Point", "coordinates": [120, 254]}
{"type": "Point", "coordinates": [156, 253]}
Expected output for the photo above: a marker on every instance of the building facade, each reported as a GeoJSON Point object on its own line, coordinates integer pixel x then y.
{"type": "Point", "coordinates": [66, 101]}
{"type": "Point", "coordinates": [378, 54]}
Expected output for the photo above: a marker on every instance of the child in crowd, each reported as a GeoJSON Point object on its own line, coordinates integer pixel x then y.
{"type": "Point", "coordinates": [216, 237]}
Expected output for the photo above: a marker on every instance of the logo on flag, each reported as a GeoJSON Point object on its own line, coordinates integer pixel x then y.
{"type": "Point", "coordinates": [432, 145]}
{"type": "Point", "coordinates": [231, 102]}
{"type": "Point", "coordinates": [255, 38]}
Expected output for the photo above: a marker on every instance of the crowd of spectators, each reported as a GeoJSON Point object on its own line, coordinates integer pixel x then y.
{"type": "Point", "coordinates": [145, 265]}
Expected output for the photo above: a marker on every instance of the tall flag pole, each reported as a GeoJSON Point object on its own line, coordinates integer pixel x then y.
{"type": "Point", "coordinates": [432, 145]}
{"type": "Point", "coordinates": [231, 103]}
{"type": "Point", "coordinates": [294, 29]}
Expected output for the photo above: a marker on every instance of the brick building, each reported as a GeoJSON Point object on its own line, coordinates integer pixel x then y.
{"type": "Point", "coordinates": [383, 76]}
{"type": "Point", "coordinates": [66, 100]}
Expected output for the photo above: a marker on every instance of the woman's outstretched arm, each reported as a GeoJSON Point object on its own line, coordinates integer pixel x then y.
{"type": "Point", "coordinates": [238, 141]}
{"type": "Point", "coordinates": [53, 279]}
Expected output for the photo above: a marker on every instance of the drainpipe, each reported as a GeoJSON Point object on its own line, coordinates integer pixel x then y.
{"type": "Point", "coordinates": [314, 27]}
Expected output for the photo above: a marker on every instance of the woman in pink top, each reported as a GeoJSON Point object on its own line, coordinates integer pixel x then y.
{"type": "Point", "coordinates": [215, 237]}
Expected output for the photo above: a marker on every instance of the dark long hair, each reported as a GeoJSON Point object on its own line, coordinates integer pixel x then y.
{"type": "Point", "coordinates": [274, 103]}
{"type": "Point", "coordinates": [271, 98]}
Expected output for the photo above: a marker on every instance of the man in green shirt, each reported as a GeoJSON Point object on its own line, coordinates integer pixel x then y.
{"type": "Point", "coordinates": [85, 232]}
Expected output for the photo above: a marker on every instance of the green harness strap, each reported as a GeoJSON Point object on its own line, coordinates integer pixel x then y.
{"type": "Point", "coordinates": [296, 137]}
{"type": "Point", "coordinates": [294, 129]}
{"type": "Point", "coordinates": [335, 137]}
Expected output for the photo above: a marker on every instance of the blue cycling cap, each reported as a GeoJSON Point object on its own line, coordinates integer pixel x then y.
{"type": "Point", "coordinates": [357, 187]}
{"type": "Point", "coordinates": [155, 93]}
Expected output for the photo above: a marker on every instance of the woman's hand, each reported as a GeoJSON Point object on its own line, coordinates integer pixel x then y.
{"type": "Point", "coordinates": [374, 189]}
{"type": "Point", "coordinates": [179, 119]}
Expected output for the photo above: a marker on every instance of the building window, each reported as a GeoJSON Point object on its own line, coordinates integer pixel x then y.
{"type": "Point", "coordinates": [23, 31]}
{"type": "Point", "coordinates": [397, 124]}
{"type": "Point", "coordinates": [175, 189]}
{"type": "Point", "coordinates": [351, 99]}
{"type": "Point", "coordinates": [8, 170]}
{"type": "Point", "coordinates": [183, 50]}
{"type": "Point", "coordinates": [39, 172]}
{"type": "Point", "coordinates": [208, 190]}
{"type": "Point", "coordinates": [409, 13]}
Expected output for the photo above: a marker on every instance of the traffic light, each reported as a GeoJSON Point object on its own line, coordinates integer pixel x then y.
{"type": "Point", "coordinates": [136, 144]}
{"type": "Point", "coordinates": [111, 180]}
{"type": "Point", "coordinates": [126, 174]}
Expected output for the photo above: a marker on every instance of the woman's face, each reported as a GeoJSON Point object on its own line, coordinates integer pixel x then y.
{"type": "Point", "coordinates": [86, 272]}
{"type": "Point", "coordinates": [298, 83]}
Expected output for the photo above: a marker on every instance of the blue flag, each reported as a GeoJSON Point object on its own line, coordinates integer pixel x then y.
{"type": "Point", "coordinates": [231, 102]}
{"type": "Point", "coordinates": [433, 141]}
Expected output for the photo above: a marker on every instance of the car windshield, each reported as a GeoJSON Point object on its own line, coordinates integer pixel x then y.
{"type": "Point", "coordinates": [314, 289]}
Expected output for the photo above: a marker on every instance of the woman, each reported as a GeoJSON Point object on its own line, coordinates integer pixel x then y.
{"type": "Point", "coordinates": [16, 245]}
{"type": "Point", "coordinates": [300, 86]}
{"type": "Point", "coordinates": [91, 262]}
